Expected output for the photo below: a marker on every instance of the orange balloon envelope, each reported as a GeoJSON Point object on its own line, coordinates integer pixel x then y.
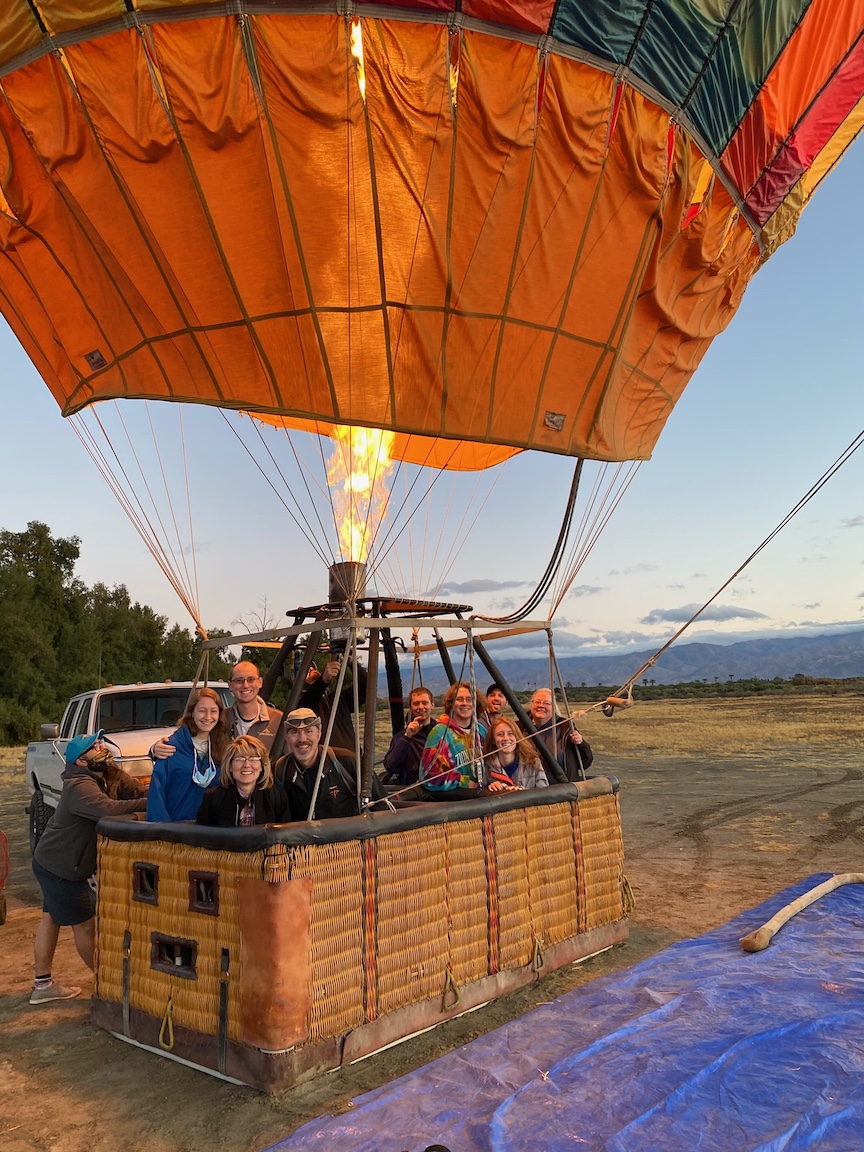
{"type": "Point", "coordinates": [515, 225]}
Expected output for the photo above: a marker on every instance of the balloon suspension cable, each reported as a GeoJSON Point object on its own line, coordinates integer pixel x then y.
{"type": "Point", "coordinates": [457, 542]}
{"type": "Point", "coordinates": [302, 522]}
{"type": "Point", "coordinates": [620, 700]}
{"type": "Point", "coordinates": [192, 585]}
{"type": "Point", "coordinates": [391, 536]}
{"type": "Point", "coordinates": [302, 469]}
{"type": "Point", "coordinates": [416, 668]}
{"type": "Point", "coordinates": [588, 534]}
{"type": "Point", "coordinates": [554, 561]}
{"type": "Point", "coordinates": [331, 720]}
{"type": "Point", "coordinates": [134, 509]}
{"type": "Point", "coordinates": [475, 720]}
{"type": "Point", "coordinates": [189, 513]}
{"type": "Point", "coordinates": [358, 759]}
{"type": "Point", "coordinates": [552, 693]}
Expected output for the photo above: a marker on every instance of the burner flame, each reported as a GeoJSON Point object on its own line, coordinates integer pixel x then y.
{"type": "Point", "coordinates": [357, 473]}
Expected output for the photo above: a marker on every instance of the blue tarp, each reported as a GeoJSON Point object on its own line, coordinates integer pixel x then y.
{"type": "Point", "coordinates": [700, 1048]}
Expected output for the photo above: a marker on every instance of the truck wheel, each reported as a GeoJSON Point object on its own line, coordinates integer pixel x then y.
{"type": "Point", "coordinates": [40, 814]}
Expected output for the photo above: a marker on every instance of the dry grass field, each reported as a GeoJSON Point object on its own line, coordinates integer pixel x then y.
{"type": "Point", "coordinates": [704, 728]}
{"type": "Point", "coordinates": [723, 803]}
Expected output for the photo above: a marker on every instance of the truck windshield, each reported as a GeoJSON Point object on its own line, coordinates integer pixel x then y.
{"type": "Point", "coordinates": [133, 710]}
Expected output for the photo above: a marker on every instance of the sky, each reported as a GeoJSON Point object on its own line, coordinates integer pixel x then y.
{"type": "Point", "coordinates": [776, 400]}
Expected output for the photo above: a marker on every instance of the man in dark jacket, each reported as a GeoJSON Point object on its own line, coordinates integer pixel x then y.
{"type": "Point", "coordinates": [402, 761]}
{"type": "Point", "coordinates": [319, 694]}
{"type": "Point", "coordinates": [297, 771]}
{"type": "Point", "coordinates": [65, 857]}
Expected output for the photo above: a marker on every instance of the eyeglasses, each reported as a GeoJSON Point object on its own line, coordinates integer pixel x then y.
{"type": "Point", "coordinates": [247, 760]}
{"type": "Point", "coordinates": [244, 679]}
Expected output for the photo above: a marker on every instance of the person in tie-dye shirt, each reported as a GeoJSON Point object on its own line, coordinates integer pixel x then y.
{"type": "Point", "coordinates": [451, 767]}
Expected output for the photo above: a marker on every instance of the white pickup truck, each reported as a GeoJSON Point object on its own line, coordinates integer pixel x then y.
{"type": "Point", "coordinates": [134, 716]}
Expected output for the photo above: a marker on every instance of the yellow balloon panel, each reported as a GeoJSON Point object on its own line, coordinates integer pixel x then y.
{"type": "Point", "coordinates": [479, 248]}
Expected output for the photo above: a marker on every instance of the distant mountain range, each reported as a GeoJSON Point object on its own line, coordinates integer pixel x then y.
{"type": "Point", "coordinates": [835, 656]}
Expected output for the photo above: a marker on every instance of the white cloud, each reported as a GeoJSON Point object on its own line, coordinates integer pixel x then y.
{"type": "Point", "coordinates": [853, 522]}
{"type": "Point", "coordinates": [584, 590]}
{"type": "Point", "coordinates": [634, 568]}
{"type": "Point", "coordinates": [469, 587]}
{"type": "Point", "coordinates": [712, 612]}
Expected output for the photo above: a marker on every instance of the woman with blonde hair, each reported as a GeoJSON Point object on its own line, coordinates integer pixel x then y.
{"type": "Point", "coordinates": [510, 754]}
{"type": "Point", "coordinates": [246, 792]}
{"type": "Point", "coordinates": [180, 780]}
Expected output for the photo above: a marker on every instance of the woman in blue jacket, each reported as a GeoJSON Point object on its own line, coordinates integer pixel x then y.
{"type": "Point", "coordinates": [182, 775]}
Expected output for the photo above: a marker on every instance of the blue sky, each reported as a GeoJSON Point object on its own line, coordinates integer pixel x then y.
{"type": "Point", "coordinates": [775, 401]}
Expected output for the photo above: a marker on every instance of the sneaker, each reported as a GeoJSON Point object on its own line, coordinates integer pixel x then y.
{"type": "Point", "coordinates": [54, 991]}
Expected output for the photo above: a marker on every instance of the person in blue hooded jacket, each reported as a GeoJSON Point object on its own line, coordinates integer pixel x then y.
{"type": "Point", "coordinates": [179, 782]}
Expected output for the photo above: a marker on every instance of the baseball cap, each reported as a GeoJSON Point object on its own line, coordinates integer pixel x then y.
{"type": "Point", "coordinates": [301, 718]}
{"type": "Point", "coordinates": [78, 745]}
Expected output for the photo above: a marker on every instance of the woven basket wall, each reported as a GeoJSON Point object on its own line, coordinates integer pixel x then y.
{"type": "Point", "coordinates": [393, 919]}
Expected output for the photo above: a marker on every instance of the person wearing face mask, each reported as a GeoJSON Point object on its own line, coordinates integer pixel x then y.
{"type": "Point", "coordinates": [65, 857]}
{"type": "Point", "coordinates": [179, 782]}
{"type": "Point", "coordinates": [249, 715]}
{"type": "Point", "coordinates": [245, 793]}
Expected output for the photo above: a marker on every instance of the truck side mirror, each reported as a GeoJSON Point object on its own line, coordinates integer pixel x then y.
{"type": "Point", "coordinates": [50, 731]}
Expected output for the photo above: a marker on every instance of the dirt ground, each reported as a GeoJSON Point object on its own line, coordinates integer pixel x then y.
{"type": "Point", "coordinates": [723, 803]}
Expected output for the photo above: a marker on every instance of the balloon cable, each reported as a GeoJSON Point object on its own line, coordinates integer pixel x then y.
{"type": "Point", "coordinates": [554, 561]}
{"type": "Point", "coordinates": [845, 455]}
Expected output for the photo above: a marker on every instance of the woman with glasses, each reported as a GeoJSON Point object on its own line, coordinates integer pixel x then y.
{"type": "Point", "coordinates": [246, 793]}
{"type": "Point", "coordinates": [180, 780]}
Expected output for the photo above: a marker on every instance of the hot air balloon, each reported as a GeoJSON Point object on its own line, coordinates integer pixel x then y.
{"type": "Point", "coordinates": [491, 229]}
{"type": "Point", "coordinates": [479, 230]}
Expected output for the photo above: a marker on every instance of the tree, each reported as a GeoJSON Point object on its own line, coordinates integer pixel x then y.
{"type": "Point", "coordinates": [58, 637]}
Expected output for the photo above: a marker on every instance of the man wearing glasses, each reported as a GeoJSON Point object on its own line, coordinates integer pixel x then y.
{"type": "Point", "coordinates": [249, 715]}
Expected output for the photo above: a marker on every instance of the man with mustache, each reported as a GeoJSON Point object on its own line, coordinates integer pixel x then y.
{"type": "Point", "coordinates": [65, 857]}
{"type": "Point", "coordinates": [298, 769]}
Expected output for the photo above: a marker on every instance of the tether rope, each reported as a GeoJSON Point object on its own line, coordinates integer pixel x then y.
{"type": "Point", "coordinates": [627, 686]}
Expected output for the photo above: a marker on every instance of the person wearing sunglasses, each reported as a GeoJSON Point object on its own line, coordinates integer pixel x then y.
{"type": "Point", "coordinates": [246, 793]}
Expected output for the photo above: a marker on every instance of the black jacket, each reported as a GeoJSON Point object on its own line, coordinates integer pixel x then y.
{"type": "Point", "coordinates": [320, 698]}
{"type": "Point", "coordinates": [575, 759]}
{"type": "Point", "coordinates": [402, 761]}
{"type": "Point", "coordinates": [337, 794]}
{"type": "Point", "coordinates": [221, 807]}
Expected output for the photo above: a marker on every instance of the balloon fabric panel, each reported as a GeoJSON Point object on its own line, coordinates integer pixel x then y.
{"type": "Point", "coordinates": [438, 230]}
